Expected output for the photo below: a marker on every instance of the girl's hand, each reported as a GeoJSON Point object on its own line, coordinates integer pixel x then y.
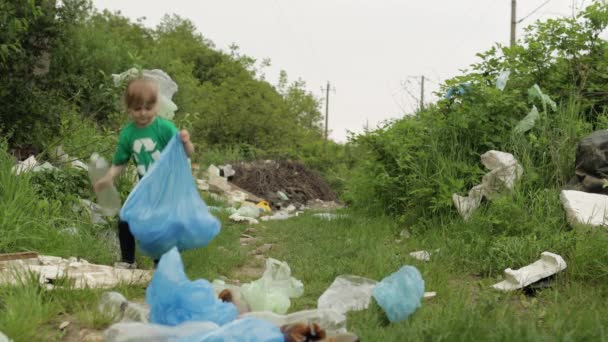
{"type": "Point", "coordinates": [185, 136]}
{"type": "Point", "coordinates": [101, 184]}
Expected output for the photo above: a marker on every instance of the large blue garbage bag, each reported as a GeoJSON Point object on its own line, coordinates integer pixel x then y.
{"type": "Point", "coordinates": [174, 299]}
{"type": "Point", "coordinates": [400, 294]}
{"type": "Point", "coordinates": [241, 330]}
{"type": "Point", "coordinates": [165, 209]}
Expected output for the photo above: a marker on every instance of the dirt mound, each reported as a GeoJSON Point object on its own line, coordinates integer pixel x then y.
{"type": "Point", "coordinates": [266, 178]}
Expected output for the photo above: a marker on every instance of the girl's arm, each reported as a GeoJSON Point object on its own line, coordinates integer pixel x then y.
{"type": "Point", "coordinates": [108, 179]}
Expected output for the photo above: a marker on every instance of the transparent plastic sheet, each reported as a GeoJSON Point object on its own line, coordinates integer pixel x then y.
{"type": "Point", "coordinates": [347, 293]}
{"type": "Point", "coordinates": [166, 86]}
{"type": "Point", "coordinates": [332, 321]}
{"type": "Point", "coordinates": [400, 294]}
{"type": "Point", "coordinates": [502, 79]}
{"type": "Point", "coordinates": [272, 292]}
{"type": "Point", "coordinates": [174, 299]}
{"type": "Point", "coordinates": [108, 199]}
{"type": "Point", "coordinates": [165, 209]}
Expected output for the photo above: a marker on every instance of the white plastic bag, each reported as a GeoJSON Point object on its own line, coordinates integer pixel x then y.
{"type": "Point", "coordinates": [347, 293]}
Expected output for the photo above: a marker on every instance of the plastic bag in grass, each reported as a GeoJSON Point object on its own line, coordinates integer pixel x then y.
{"type": "Point", "coordinates": [400, 294]}
{"type": "Point", "coordinates": [241, 330]}
{"type": "Point", "coordinates": [165, 209]}
{"type": "Point", "coordinates": [273, 290]}
{"type": "Point", "coordinates": [174, 299]}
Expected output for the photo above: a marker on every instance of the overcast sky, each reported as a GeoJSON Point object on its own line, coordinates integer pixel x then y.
{"type": "Point", "coordinates": [373, 52]}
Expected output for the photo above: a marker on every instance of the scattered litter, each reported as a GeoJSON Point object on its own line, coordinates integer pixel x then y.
{"type": "Point", "coordinates": [585, 208]}
{"type": "Point", "coordinates": [238, 218]}
{"type": "Point", "coordinates": [505, 170]}
{"type": "Point", "coordinates": [249, 211]}
{"type": "Point", "coordinates": [137, 331]}
{"type": "Point", "coordinates": [400, 294]}
{"type": "Point", "coordinates": [69, 231]}
{"type": "Point", "coordinates": [243, 330]}
{"type": "Point", "coordinates": [347, 293]}
{"type": "Point", "coordinates": [31, 165]}
{"type": "Point", "coordinates": [264, 205]}
{"type": "Point", "coordinates": [328, 216]}
{"type": "Point", "coordinates": [282, 196]}
{"type": "Point", "coordinates": [548, 265]}
{"type": "Point", "coordinates": [527, 123]}
{"type": "Point", "coordinates": [535, 92]}
{"type": "Point", "coordinates": [117, 307]}
{"type": "Point", "coordinates": [79, 273]}
{"type": "Point", "coordinates": [202, 185]}
{"type": "Point", "coordinates": [331, 320]}
{"type": "Point", "coordinates": [160, 219]}
{"type": "Point", "coordinates": [226, 171]}
{"type": "Point", "coordinates": [272, 292]}
{"type": "Point", "coordinates": [591, 164]}
{"type": "Point", "coordinates": [429, 295]}
{"type": "Point", "coordinates": [4, 338]}
{"type": "Point", "coordinates": [502, 79]}
{"type": "Point", "coordinates": [174, 299]}
{"type": "Point", "coordinates": [63, 325]}
{"type": "Point", "coordinates": [405, 234]}
{"type": "Point", "coordinates": [421, 255]}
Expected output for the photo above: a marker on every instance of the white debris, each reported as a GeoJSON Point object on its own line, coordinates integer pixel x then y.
{"type": "Point", "coordinates": [347, 293]}
{"type": "Point", "coordinates": [31, 165]}
{"type": "Point", "coordinates": [503, 175]}
{"type": "Point", "coordinates": [585, 208]}
{"type": "Point", "coordinates": [429, 295]}
{"type": "Point", "coordinates": [332, 321]}
{"type": "Point", "coordinates": [238, 218]}
{"type": "Point", "coordinates": [4, 338]}
{"type": "Point", "coordinates": [79, 273]}
{"type": "Point", "coordinates": [282, 196]}
{"type": "Point", "coordinates": [142, 332]}
{"type": "Point", "coordinates": [421, 255]}
{"type": "Point", "coordinates": [328, 216]}
{"type": "Point", "coordinates": [548, 265]}
{"type": "Point", "coordinates": [202, 185]}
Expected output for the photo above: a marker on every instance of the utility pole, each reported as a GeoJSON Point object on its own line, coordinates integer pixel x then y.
{"type": "Point", "coordinates": [513, 21]}
{"type": "Point", "coordinates": [422, 94]}
{"type": "Point", "coordinates": [327, 108]}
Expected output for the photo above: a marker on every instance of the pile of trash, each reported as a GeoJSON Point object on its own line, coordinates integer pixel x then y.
{"type": "Point", "coordinates": [256, 311]}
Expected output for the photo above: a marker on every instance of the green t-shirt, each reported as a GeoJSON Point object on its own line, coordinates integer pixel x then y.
{"type": "Point", "coordinates": [145, 144]}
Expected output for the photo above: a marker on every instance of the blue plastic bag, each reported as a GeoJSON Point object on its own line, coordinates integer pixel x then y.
{"type": "Point", "coordinates": [165, 210]}
{"type": "Point", "coordinates": [174, 299]}
{"type": "Point", "coordinates": [241, 330]}
{"type": "Point", "coordinates": [400, 294]}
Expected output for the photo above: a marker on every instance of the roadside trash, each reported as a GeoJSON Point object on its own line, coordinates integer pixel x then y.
{"type": "Point", "coordinates": [166, 88]}
{"type": "Point", "coordinates": [585, 208]}
{"type": "Point", "coordinates": [505, 170]}
{"type": "Point", "coordinates": [328, 216]}
{"type": "Point", "coordinates": [331, 320]}
{"type": "Point", "coordinates": [78, 273]}
{"type": "Point", "coordinates": [241, 330]}
{"type": "Point", "coordinates": [249, 211]}
{"type": "Point", "coordinates": [347, 293]}
{"type": "Point", "coordinates": [400, 294]}
{"type": "Point", "coordinates": [137, 331]}
{"type": "Point", "coordinates": [421, 255]}
{"type": "Point", "coordinates": [238, 218]}
{"type": "Point", "coordinates": [591, 164]}
{"type": "Point", "coordinates": [202, 185]}
{"type": "Point", "coordinates": [535, 92]}
{"type": "Point", "coordinates": [108, 199]}
{"type": "Point", "coordinates": [119, 309]}
{"type": "Point", "coordinates": [502, 79]}
{"type": "Point", "coordinates": [165, 209]}
{"type": "Point", "coordinates": [64, 325]}
{"type": "Point", "coordinates": [272, 292]}
{"type": "Point", "coordinates": [226, 171]}
{"type": "Point", "coordinates": [234, 296]}
{"type": "Point", "coordinates": [174, 299]}
{"type": "Point", "coordinates": [95, 211]}
{"type": "Point", "coordinates": [264, 205]}
{"type": "Point", "coordinates": [31, 165]}
{"type": "Point", "coordinates": [282, 196]}
{"type": "Point", "coordinates": [460, 90]}
{"type": "Point", "coordinates": [429, 295]}
{"type": "Point", "coordinates": [527, 123]}
{"type": "Point", "coordinates": [548, 265]}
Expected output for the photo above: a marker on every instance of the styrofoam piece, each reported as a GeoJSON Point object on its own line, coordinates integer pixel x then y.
{"type": "Point", "coordinates": [548, 265]}
{"type": "Point", "coordinates": [428, 295]}
{"type": "Point", "coordinates": [467, 205]}
{"type": "Point", "coordinates": [585, 208]}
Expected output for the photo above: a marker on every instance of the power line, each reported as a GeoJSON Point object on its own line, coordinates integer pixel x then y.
{"type": "Point", "coordinates": [534, 11]}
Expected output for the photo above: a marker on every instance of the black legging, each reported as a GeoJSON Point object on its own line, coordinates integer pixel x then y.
{"type": "Point", "coordinates": [127, 243]}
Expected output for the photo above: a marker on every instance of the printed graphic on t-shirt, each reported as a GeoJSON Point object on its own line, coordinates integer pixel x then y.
{"type": "Point", "coordinates": [145, 152]}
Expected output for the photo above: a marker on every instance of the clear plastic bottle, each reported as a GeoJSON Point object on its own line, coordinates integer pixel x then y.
{"type": "Point", "coordinates": [108, 199]}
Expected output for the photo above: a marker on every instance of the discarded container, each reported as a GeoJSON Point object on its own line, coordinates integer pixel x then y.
{"type": "Point", "coordinates": [331, 320]}
{"type": "Point", "coordinates": [400, 294]}
{"type": "Point", "coordinates": [272, 292]}
{"type": "Point", "coordinates": [347, 293]}
{"type": "Point", "coordinates": [166, 210]}
{"type": "Point", "coordinates": [108, 199]}
{"type": "Point", "coordinates": [174, 299]}
{"type": "Point", "coordinates": [547, 265]}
